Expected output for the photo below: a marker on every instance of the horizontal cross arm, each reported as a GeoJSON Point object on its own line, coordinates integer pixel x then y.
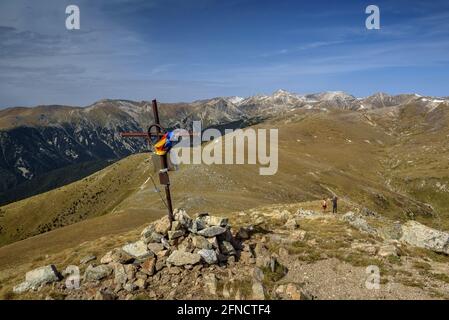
{"type": "Point", "coordinates": [160, 134]}
{"type": "Point", "coordinates": [134, 134]}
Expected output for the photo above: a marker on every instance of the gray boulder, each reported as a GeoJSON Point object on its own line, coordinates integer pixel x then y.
{"type": "Point", "coordinates": [117, 255]}
{"type": "Point", "coordinates": [42, 275]}
{"type": "Point", "coordinates": [209, 256]}
{"type": "Point", "coordinates": [120, 276]}
{"type": "Point", "coordinates": [198, 224]}
{"type": "Point", "coordinates": [152, 237]}
{"type": "Point", "coordinates": [201, 242]}
{"type": "Point", "coordinates": [216, 221]}
{"type": "Point", "coordinates": [175, 234]}
{"type": "Point", "coordinates": [181, 258]}
{"type": "Point", "coordinates": [419, 235]}
{"type": "Point", "coordinates": [213, 242]}
{"type": "Point", "coordinates": [137, 249]}
{"type": "Point", "coordinates": [155, 247]}
{"type": "Point", "coordinates": [38, 277]}
{"type": "Point", "coordinates": [182, 216]}
{"type": "Point", "coordinates": [227, 248]}
{"type": "Point", "coordinates": [130, 287]}
{"type": "Point", "coordinates": [97, 273]}
{"type": "Point", "coordinates": [22, 287]}
{"type": "Point", "coordinates": [162, 225]}
{"type": "Point", "coordinates": [212, 231]}
{"type": "Point", "coordinates": [359, 223]}
{"type": "Point", "coordinates": [176, 225]}
{"type": "Point", "coordinates": [146, 233]}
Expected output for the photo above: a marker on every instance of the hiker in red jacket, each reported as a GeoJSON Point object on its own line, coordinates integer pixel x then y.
{"type": "Point", "coordinates": [324, 204]}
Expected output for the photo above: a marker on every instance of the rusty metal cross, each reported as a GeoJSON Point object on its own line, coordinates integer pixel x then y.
{"type": "Point", "coordinates": [163, 172]}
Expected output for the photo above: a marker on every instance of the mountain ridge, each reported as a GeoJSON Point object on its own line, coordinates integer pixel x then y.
{"type": "Point", "coordinates": [50, 137]}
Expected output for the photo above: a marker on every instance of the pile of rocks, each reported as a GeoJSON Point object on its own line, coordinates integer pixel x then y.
{"type": "Point", "coordinates": [187, 244]}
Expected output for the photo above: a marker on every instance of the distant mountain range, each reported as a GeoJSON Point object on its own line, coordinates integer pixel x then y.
{"type": "Point", "coordinates": [39, 143]}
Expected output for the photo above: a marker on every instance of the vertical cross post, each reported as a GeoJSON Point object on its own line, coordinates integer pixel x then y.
{"type": "Point", "coordinates": [163, 173]}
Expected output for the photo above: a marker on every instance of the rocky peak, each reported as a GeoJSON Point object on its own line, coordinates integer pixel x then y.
{"type": "Point", "coordinates": [383, 100]}
{"type": "Point", "coordinates": [282, 92]}
{"type": "Point", "coordinates": [331, 95]}
{"type": "Point", "coordinates": [235, 100]}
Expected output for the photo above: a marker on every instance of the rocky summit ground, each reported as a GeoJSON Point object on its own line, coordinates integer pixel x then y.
{"type": "Point", "coordinates": [273, 252]}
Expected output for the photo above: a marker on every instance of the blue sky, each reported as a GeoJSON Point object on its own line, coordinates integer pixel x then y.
{"type": "Point", "coordinates": [181, 50]}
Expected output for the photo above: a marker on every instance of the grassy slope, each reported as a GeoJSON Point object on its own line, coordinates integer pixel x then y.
{"type": "Point", "coordinates": [417, 164]}
{"type": "Point", "coordinates": [52, 180]}
{"type": "Point", "coordinates": [90, 197]}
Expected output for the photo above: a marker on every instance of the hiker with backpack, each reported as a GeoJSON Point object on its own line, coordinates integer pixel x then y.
{"type": "Point", "coordinates": [334, 204]}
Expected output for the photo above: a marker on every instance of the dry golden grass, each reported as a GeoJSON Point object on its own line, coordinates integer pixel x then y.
{"type": "Point", "coordinates": [14, 274]}
{"type": "Point", "coordinates": [90, 197]}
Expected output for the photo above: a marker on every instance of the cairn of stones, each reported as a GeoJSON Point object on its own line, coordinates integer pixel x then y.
{"type": "Point", "coordinates": [206, 239]}
{"type": "Point", "coordinates": [184, 243]}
